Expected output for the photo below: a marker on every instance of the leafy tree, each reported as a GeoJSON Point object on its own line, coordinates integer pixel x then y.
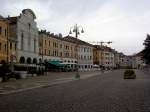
{"type": "Point", "coordinates": [146, 51]}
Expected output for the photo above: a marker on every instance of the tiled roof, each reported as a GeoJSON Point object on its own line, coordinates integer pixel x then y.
{"type": "Point", "coordinates": [12, 20]}
{"type": "Point", "coordinates": [74, 40]}
{"type": "Point", "coordinates": [105, 48]}
{"type": "Point", "coordinates": [50, 34]}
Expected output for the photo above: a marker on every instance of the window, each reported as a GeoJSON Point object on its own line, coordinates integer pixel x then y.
{"type": "Point", "coordinates": [45, 42]}
{"type": "Point", "coordinates": [45, 51]}
{"type": "Point", "coordinates": [15, 47]}
{"type": "Point", "coordinates": [57, 45]}
{"type": "Point", "coordinates": [40, 44]}
{"type": "Point", "coordinates": [54, 53]}
{"type": "Point", "coordinates": [10, 46]}
{"type": "Point", "coordinates": [5, 32]}
{"type": "Point", "coordinates": [49, 52]}
{"type": "Point", "coordinates": [29, 41]}
{"type": "Point", "coordinates": [0, 30]}
{"type": "Point", "coordinates": [29, 26]}
{"type": "Point", "coordinates": [60, 45]}
{"type": "Point", "coordinates": [5, 47]}
{"type": "Point", "coordinates": [60, 53]}
{"type": "Point", "coordinates": [34, 45]}
{"type": "Point", "coordinates": [22, 43]}
{"type": "Point", "coordinates": [90, 57]}
{"type": "Point", "coordinates": [0, 46]}
{"type": "Point", "coordinates": [40, 51]}
{"type": "Point", "coordinates": [49, 43]}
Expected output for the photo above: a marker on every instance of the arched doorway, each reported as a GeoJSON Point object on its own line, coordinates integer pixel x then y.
{"type": "Point", "coordinates": [29, 60]}
{"type": "Point", "coordinates": [22, 60]}
{"type": "Point", "coordinates": [45, 60]}
{"type": "Point", "coordinates": [40, 60]}
{"type": "Point", "coordinates": [34, 61]}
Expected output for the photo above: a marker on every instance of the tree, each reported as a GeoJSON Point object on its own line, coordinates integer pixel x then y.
{"type": "Point", "coordinates": [146, 51]}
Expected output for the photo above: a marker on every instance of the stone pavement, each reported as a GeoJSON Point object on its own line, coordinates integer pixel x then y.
{"type": "Point", "coordinates": [107, 92]}
{"type": "Point", "coordinates": [50, 79]}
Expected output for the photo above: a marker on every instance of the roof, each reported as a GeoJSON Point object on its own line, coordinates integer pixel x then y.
{"type": "Point", "coordinates": [74, 40]}
{"type": "Point", "coordinates": [50, 34]}
{"type": "Point", "coordinates": [105, 48]}
{"type": "Point", "coordinates": [12, 20]}
{"type": "Point", "coordinates": [98, 47]}
{"type": "Point", "coordinates": [67, 38]}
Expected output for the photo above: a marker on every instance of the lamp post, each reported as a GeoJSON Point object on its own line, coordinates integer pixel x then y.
{"type": "Point", "coordinates": [77, 30]}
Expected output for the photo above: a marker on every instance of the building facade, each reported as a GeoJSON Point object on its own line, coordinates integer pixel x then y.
{"type": "Point", "coordinates": [4, 30]}
{"type": "Point", "coordinates": [84, 53]}
{"type": "Point", "coordinates": [98, 55]}
{"type": "Point", "coordinates": [108, 58]}
{"type": "Point", "coordinates": [55, 48]}
{"type": "Point", "coordinates": [24, 29]}
{"type": "Point", "coordinates": [137, 61]}
{"type": "Point", "coordinates": [117, 59]}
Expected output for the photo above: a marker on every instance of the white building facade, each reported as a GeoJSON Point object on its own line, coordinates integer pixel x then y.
{"type": "Point", "coordinates": [27, 36]}
{"type": "Point", "coordinates": [108, 59]}
{"type": "Point", "coordinates": [85, 57]}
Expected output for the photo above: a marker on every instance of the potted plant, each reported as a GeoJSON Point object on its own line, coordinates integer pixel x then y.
{"type": "Point", "coordinates": [129, 74]}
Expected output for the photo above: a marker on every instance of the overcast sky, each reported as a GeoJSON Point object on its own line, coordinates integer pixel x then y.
{"type": "Point", "coordinates": [125, 22]}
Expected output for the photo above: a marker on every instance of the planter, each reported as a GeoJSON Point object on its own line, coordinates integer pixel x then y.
{"type": "Point", "coordinates": [130, 77]}
{"type": "Point", "coordinates": [129, 74]}
{"type": "Point", "coordinates": [23, 74]}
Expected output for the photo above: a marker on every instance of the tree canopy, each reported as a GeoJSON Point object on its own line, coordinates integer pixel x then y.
{"type": "Point", "coordinates": [146, 51]}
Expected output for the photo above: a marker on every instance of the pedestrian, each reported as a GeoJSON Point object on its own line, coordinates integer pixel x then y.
{"type": "Point", "coordinates": [3, 71]}
{"type": "Point", "coordinates": [102, 69]}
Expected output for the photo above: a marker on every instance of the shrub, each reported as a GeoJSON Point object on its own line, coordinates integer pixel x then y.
{"type": "Point", "coordinates": [129, 74]}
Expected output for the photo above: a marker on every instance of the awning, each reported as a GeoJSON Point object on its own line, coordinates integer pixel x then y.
{"type": "Point", "coordinates": [56, 63]}
{"type": "Point", "coordinates": [66, 63]}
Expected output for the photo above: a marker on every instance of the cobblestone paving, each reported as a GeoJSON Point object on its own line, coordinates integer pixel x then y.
{"type": "Point", "coordinates": [102, 93]}
{"type": "Point", "coordinates": [40, 81]}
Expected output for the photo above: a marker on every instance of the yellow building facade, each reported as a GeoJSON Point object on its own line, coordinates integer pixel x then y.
{"type": "Point", "coordinates": [98, 53]}
{"type": "Point", "coordinates": [8, 46]}
{"type": "Point", "coordinates": [12, 48]}
{"type": "Point", "coordinates": [4, 33]}
{"type": "Point", "coordinates": [53, 47]}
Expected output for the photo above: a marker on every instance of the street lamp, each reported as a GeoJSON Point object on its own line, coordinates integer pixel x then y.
{"type": "Point", "coordinates": [77, 30]}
